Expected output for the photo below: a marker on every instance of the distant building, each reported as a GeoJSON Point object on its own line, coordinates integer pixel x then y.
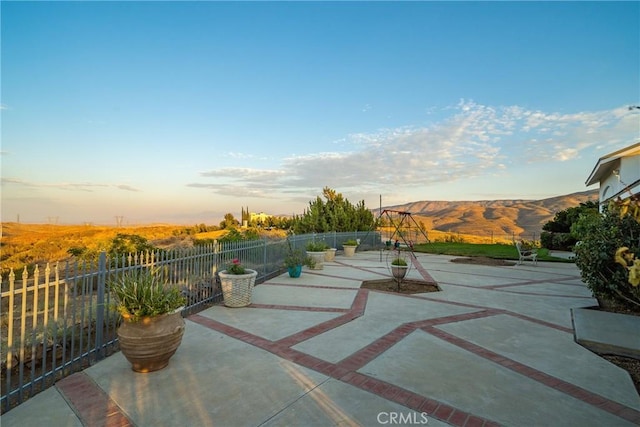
{"type": "Point", "coordinates": [259, 217]}
{"type": "Point", "coordinates": [618, 174]}
{"type": "Point", "coordinates": [252, 217]}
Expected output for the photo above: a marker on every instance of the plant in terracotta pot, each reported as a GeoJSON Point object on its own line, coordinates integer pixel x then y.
{"type": "Point", "coordinates": [349, 247]}
{"type": "Point", "coordinates": [316, 251]}
{"type": "Point", "coordinates": [237, 284]}
{"type": "Point", "coordinates": [152, 326]}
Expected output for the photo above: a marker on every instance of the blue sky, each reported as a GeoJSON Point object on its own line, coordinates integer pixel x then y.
{"type": "Point", "coordinates": [183, 111]}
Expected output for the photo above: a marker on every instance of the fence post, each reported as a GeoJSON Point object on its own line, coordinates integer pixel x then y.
{"type": "Point", "coordinates": [100, 307]}
{"type": "Point", "coordinates": [264, 258]}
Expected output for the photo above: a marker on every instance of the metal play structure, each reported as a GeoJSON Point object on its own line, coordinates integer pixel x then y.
{"type": "Point", "coordinates": [404, 225]}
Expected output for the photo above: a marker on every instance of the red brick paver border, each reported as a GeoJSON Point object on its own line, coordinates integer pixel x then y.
{"type": "Point", "coordinates": [346, 369]}
{"type": "Point", "coordinates": [95, 408]}
{"type": "Point", "coordinates": [90, 403]}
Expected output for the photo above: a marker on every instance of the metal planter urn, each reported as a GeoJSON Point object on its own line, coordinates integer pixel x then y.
{"type": "Point", "coordinates": [399, 271]}
{"type": "Point", "coordinates": [399, 267]}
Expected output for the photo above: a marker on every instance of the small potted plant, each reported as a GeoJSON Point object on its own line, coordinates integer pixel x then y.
{"type": "Point", "coordinates": [294, 261]}
{"type": "Point", "coordinates": [399, 268]}
{"type": "Point", "coordinates": [152, 326]}
{"type": "Point", "coordinates": [237, 284]}
{"type": "Point", "coordinates": [316, 250]}
{"type": "Point", "coordinates": [349, 247]}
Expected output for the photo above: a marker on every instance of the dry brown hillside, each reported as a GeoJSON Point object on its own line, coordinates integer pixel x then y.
{"type": "Point", "coordinates": [497, 217]}
{"type": "Point", "coordinates": [25, 244]}
{"type": "Point", "coordinates": [28, 244]}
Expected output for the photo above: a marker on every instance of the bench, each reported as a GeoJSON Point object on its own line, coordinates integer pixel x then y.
{"type": "Point", "coordinates": [526, 254]}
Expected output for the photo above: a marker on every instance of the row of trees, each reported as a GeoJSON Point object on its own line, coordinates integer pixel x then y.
{"type": "Point", "coordinates": [334, 213]}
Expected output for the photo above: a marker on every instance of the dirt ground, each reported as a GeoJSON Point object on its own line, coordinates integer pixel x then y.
{"type": "Point", "coordinates": [406, 286]}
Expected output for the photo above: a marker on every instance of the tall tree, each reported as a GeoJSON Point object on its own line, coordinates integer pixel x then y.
{"type": "Point", "coordinates": [229, 221]}
{"type": "Point", "coordinates": [336, 214]}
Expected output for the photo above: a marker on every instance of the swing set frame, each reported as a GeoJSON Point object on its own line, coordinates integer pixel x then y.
{"type": "Point", "coordinates": [405, 218]}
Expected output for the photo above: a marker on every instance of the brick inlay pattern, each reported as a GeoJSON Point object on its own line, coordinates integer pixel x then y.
{"type": "Point", "coordinates": [346, 369]}
{"type": "Point", "coordinates": [573, 390]}
{"type": "Point", "coordinates": [90, 403]}
{"type": "Point", "coordinates": [300, 308]}
{"type": "Point", "coordinates": [423, 271]}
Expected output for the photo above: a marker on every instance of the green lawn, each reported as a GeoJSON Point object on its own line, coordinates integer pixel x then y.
{"type": "Point", "coordinates": [498, 251]}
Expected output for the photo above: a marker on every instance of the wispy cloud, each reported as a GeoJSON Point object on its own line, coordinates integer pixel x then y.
{"type": "Point", "coordinates": [126, 187]}
{"type": "Point", "coordinates": [240, 155]}
{"type": "Point", "coordinates": [476, 140]}
{"type": "Point", "coordinates": [246, 173]}
{"type": "Point", "coordinates": [236, 190]}
{"type": "Point", "coordinates": [67, 186]}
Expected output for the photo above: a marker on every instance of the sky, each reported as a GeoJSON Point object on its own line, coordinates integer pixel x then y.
{"type": "Point", "coordinates": [181, 112]}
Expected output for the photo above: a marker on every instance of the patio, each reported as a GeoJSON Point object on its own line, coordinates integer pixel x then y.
{"type": "Point", "coordinates": [495, 347]}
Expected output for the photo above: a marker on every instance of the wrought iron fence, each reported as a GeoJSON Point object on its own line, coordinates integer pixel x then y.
{"type": "Point", "coordinates": [59, 319]}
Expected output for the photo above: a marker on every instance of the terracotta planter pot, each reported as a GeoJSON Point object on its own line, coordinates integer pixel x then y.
{"type": "Point", "coordinates": [349, 250]}
{"type": "Point", "coordinates": [237, 288]}
{"type": "Point", "coordinates": [149, 343]}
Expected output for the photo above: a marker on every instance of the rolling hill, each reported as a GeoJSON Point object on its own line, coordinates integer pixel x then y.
{"type": "Point", "coordinates": [26, 244]}
{"type": "Point", "coordinates": [492, 217]}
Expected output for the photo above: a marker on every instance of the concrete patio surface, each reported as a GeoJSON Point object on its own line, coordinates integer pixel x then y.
{"type": "Point", "coordinates": [495, 347]}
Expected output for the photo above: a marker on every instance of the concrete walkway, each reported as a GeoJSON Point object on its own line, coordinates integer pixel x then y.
{"type": "Point", "coordinates": [495, 347]}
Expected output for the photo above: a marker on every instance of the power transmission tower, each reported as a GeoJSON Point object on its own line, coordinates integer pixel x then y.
{"type": "Point", "coordinates": [119, 219]}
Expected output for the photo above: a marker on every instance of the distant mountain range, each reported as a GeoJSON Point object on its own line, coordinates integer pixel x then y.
{"type": "Point", "coordinates": [498, 217]}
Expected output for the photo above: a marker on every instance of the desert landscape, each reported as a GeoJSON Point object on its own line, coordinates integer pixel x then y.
{"type": "Point", "coordinates": [471, 221]}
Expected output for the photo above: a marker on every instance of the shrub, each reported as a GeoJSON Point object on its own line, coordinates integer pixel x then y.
{"type": "Point", "coordinates": [546, 239]}
{"type": "Point", "coordinates": [595, 257]}
{"type": "Point", "coordinates": [144, 293]}
{"type": "Point", "coordinates": [557, 241]}
{"type": "Point", "coordinates": [313, 246]}
{"type": "Point", "coordinates": [399, 262]}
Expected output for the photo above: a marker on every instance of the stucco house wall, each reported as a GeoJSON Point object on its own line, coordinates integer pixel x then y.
{"type": "Point", "coordinates": [618, 174]}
